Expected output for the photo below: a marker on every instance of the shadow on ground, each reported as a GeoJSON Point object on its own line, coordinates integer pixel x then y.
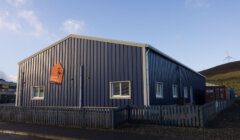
{"type": "Point", "coordinates": [226, 126]}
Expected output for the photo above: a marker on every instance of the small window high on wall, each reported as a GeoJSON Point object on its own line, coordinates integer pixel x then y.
{"type": "Point", "coordinates": [37, 92]}
{"type": "Point", "coordinates": [185, 92]}
{"type": "Point", "coordinates": [175, 90]}
{"type": "Point", "coordinates": [120, 90]}
{"type": "Point", "coordinates": [159, 90]}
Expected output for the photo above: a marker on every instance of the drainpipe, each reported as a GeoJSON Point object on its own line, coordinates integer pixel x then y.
{"type": "Point", "coordinates": [147, 77]}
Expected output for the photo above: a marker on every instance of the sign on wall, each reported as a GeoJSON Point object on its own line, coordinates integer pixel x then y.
{"type": "Point", "coordinates": [56, 74]}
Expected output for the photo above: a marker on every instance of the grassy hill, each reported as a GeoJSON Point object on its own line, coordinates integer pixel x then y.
{"type": "Point", "coordinates": [227, 74]}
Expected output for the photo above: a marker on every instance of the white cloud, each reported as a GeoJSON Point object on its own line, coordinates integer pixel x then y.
{"type": "Point", "coordinates": [26, 22]}
{"type": "Point", "coordinates": [197, 3]}
{"type": "Point", "coordinates": [12, 78]}
{"type": "Point", "coordinates": [6, 24]}
{"type": "Point", "coordinates": [32, 20]}
{"type": "Point", "coordinates": [3, 75]}
{"type": "Point", "coordinates": [16, 2]}
{"type": "Point", "coordinates": [23, 21]}
{"type": "Point", "coordinates": [73, 26]}
{"type": "Point", "coordinates": [6, 77]}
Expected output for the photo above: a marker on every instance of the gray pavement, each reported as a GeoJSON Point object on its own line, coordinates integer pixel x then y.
{"type": "Point", "coordinates": [68, 133]}
{"type": "Point", "coordinates": [18, 137]}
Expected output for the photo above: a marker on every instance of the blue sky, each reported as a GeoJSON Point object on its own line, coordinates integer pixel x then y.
{"type": "Point", "coordinates": [198, 33]}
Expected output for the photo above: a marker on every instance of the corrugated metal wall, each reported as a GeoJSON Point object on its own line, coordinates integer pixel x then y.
{"type": "Point", "coordinates": [163, 70]}
{"type": "Point", "coordinates": [98, 62]}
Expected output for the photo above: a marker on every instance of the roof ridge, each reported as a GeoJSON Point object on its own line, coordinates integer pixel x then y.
{"type": "Point", "coordinates": [135, 44]}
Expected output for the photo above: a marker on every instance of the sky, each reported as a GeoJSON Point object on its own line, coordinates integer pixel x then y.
{"type": "Point", "coordinates": [198, 33]}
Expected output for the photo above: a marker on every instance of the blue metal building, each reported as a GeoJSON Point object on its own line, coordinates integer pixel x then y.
{"type": "Point", "coordinates": [101, 72]}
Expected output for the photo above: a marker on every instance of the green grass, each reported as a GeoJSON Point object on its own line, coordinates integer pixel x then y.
{"type": "Point", "coordinates": [226, 76]}
{"type": "Point", "coordinates": [230, 79]}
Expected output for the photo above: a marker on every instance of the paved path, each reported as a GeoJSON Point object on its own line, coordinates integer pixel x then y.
{"type": "Point", "coordinates": [70, 133]}
{"type": "Point", "coordinates": [17, 137]}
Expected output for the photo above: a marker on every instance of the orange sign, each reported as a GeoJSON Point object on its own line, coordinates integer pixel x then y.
{"type": "Point", "coordinates": [57, 74]}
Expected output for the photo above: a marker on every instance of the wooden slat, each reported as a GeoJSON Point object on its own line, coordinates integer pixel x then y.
{"type": "Point", "coordinates": [172, 115]}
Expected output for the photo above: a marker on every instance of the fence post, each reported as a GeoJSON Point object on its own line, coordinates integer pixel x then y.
{"type": "Point", "coordinates": [113, 118]}
{"type": "Point", "coordinates": [201, 116]}
{"type": "Point", "coordinates": [129, 114]}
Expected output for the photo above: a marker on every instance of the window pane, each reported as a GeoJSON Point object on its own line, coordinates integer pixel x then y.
{"type": "Point", "coordinates": [125, 88]}
{"type": "Point", "coordinates": [41, 92]}
{"type": "Point", "coordinates": [38, 92]}
{"type": "Point", "coordinates": [174, 88]}
{"type": "Point", "coordinates": [159, 90]}
{"type": "Point", "coordinates": [35, 92]}
{"type": "Point", "coordinates": [185, 92]}
{"type": "Point", "coordinates": [116, 88]}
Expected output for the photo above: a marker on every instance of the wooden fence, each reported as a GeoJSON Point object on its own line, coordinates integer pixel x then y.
{"type": "Point", "coordinates": [171, 115]}
{"type": "Point", "coordinates": [183, 116]}
{"type": "Point", "coordinates": [210, 110]}
{"type": "Point", "coordinates": [70, 117]}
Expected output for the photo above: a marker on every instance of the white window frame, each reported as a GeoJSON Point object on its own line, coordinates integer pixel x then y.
{"type": "Point", "coordinates": [185, 92]}
{"type": "Point", "coordinates": [160, 94]}
{"type": "Point", "coordinates": [175, 90]}
{"type": "Point", "coordinates": [120, 90]}
{"type": "Point", "coordinates": [32, 93]}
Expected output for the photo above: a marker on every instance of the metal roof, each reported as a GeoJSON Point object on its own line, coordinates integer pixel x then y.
{"type": "Point", "coordinates": [88, 38]}
{"type": "Point", "coordinates": [172, 59]}
{"type": "Point", "coordinates": [112, 41]}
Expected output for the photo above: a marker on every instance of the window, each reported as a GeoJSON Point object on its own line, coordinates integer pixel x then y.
{"type": "Point", "coordinates": [38, 92]}
{"type": "Point", "coordinates": [185, 91]}
{"type": "Point", "coordinates": [191, 91]}
{"type": "Point", "coordinates": [159, 90]}
{"type": "Point", "coordinates": [120, 90]}
{"type": "Point", "coordinates": [175, 90]}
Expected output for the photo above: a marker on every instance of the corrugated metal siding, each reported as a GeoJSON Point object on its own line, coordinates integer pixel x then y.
{"type": "Point", "coordinates": [100, 63]}
{"type": "Point", "coordinates": [163, 70]}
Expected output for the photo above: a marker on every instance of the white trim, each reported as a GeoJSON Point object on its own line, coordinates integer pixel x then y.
{"type": "Point", "coordinates": [147, 79]}
{"type": "Point", "coordinates": [129, 43]}
{"type": "Point", "coordinates": [37, 98]}
{"type": "Point", "coordinates": [159, 96]}
{"type": "Point", "coordinates": [17, 90]}
{"type": "Point", "coordinates": [145, 75]}
{"type": "Point", "coordinates": [119, 96]}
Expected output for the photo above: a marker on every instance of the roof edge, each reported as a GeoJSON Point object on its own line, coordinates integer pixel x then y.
{"type": "Point", "coordinates": [53, 44]}
{"type": "Point", "coordinates": [174, 60]}
{"type": "Point", "coordinates": [135, 44]}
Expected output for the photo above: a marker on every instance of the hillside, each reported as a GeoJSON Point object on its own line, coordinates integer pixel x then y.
{"type": "Point", "coordinates": [221, 69]}
{"type": "Point", "coordinates": [227, 74]}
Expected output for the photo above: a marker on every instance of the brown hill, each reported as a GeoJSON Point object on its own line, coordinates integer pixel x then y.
{"type": "Point", "coordinates": [226, 74]}
{"type": "Point", "coordinates": [221, 69]}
